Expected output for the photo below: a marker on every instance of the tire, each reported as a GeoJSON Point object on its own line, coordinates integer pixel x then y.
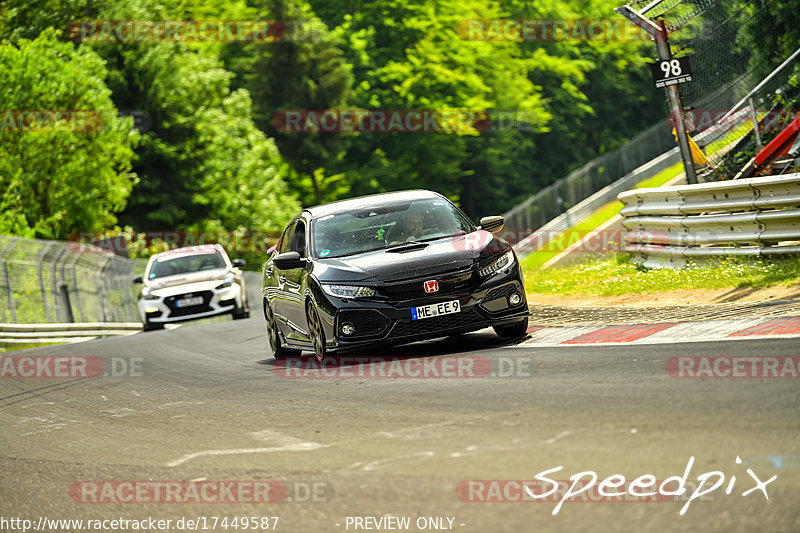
{"type": "Point", "coordinates": [512, 331]}
{"type": "Point", "coordinates": [315, 331]}
{"type": "Point", "coordinates": [239, 313]}
{"type": "Point", "coordinates": [148, 326]}
{"type": "Point", "coordinates": [279, 351]}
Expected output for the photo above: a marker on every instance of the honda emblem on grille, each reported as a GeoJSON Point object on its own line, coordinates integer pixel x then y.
{"type": "Point", "coordinates": [432, 286]}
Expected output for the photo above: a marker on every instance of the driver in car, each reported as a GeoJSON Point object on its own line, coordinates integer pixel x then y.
{"type": "Point", "coordinates": [412, 228]}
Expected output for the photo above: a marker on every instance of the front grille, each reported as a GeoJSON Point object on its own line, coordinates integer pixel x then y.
{"type": "Point", "coordinates": [429, 266]}
{"type": "Point", "coordinates": [448, 284]}
{"type": "Point", "coordinates": [191, 310]}
{"type": "Point", "coordinates": [368, 322]}
{"type": "Point", "coordinates": [436, 324]}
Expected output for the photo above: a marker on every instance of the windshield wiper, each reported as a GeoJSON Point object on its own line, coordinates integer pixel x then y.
{"type": "Point", "coordinates": [406, 247]}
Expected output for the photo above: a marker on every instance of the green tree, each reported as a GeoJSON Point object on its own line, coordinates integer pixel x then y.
{"type": "Point", "coordinates": [68, 176]}
{"type": "Point", "coordinates": [304, 70]}
{"type": "Point", "coordinates": [203, 164]}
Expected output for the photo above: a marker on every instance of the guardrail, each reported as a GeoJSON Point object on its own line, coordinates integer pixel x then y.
{"type": "Point", "coordinates": [57, 333]}
{"type": "Point", "coordinates": [673, 226]}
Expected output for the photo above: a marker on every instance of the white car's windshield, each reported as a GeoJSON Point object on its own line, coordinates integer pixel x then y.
{"type": "Point", "coordinates": [171, 265]}
{"type": "Point", "coordinates": [386, 226]}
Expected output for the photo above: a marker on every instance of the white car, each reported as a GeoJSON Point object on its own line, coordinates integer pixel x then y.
{"type": "Point", "coordinates": [189, 283]}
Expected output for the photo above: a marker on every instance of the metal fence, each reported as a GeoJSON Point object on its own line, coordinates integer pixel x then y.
{"type": "Point", "coordinates": [582, 183]}
{"type": "Point", "coordinates": [724, 72]}
{"type": "Point", "coordinates": [56, 282]}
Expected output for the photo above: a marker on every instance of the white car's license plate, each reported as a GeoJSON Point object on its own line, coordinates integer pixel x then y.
{"type": "Point", "coordinates": [428, 311]}
{"type": "Point", "coordinates": [186, 302]}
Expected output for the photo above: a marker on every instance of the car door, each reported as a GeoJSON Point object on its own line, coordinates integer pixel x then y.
{"type": "Point", "coordinates": [293, 282]}
{"type": "Point", "coordinates": [275, 283]}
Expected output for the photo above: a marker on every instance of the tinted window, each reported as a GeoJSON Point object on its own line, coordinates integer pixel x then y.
{"type": "Point", "coordinates": [382, 226]}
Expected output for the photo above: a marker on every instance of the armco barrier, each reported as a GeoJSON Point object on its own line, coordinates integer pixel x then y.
{"type": "Point", "coordinates": [672, 226]}
{"type": "Point", "coordinates": [52, 333]}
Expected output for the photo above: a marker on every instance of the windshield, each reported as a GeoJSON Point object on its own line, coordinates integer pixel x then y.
{"type": "Point", "coordinates": [171, 265]}
{"type": "Point", "coordinates": [386, 226]}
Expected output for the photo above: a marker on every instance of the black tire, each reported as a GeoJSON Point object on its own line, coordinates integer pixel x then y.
{"type": "Point", "coordinates": [315, 331]}
{"type": "Point", "coordinates": [512, 331]}
{"type": "Point", "coordinates": [279, 351]}
{"type": "Point", "coordinates": [239, 313]}
{"type": "Point", "coordinates": [148, 326]}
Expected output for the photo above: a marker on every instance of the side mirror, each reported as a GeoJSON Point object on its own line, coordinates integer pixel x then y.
{"type": "Point", "coordinates": [492, 224]}
{"type": "Point", "coordinates": [288, 260]}
{"type": "Point", "coordinates": [238, 262]}
{"type": "Point", "coordinates": [138, 279]}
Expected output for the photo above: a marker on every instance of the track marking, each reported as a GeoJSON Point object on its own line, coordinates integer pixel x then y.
{"type": "Point", "coordinates": [301, 447]}
{"type": "Point", "coordinates": [557, 437]}
{"type": "Point", "coordinates": [374, 465]}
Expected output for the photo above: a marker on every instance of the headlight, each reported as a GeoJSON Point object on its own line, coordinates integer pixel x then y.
{"type": "Point", "coordinates": [227, 283]}
{"type": "Point", "coordinates": [147, 296]}
{"type": "Point", "coordinates": [505, 261]}
{"type": "Point", "coordinates": [348, 291]}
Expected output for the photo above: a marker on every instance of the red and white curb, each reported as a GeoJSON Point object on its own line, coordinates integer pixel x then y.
{"type": "Point", "coordinates": [664, 332]}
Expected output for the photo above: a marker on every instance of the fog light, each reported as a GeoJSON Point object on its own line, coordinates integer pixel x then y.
{"type": "Point", "coordinates": [515, 298]}
{"type": "Point", "coordinates": [151, 309]}
{"type": "Point", "coordinates": [226, 297]}
{"type": "Point", "coordinates": [348, 329]}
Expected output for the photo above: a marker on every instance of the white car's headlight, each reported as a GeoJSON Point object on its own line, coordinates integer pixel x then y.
{"type": "Point", "coordinates": [505, 261]}
{"type": "Point", "coordinates": [147, 295]}
{"type": "Point", "coordinates": [348, 291]}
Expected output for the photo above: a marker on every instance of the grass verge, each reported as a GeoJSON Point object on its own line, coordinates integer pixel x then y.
{"type": "Point", "coordinates": [616, 275]}
{"type": "Point", "coordinates": [554, 247]}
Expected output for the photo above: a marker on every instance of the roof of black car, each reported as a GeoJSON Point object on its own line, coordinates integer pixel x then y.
{"type": "Point", "coordinates": [368, 201]}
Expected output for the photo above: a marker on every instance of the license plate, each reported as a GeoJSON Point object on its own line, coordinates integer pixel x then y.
{"type": "Point", "coordinates": [428, 311]}
{"type": "Point", "coordinates": [186, 302]}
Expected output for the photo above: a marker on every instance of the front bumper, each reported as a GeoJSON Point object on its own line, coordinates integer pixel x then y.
{"type": "Point", "coordinates": [383, 323]}
{"type": "Point", "coordinates": [167, 309]}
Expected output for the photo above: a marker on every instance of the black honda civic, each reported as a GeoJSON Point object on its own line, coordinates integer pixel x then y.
{"type": "Point", "coordinates": [389, 269]}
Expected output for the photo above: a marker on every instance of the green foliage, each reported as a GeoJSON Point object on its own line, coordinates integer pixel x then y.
{"type": "Point", "coordinates": [617, 275]}
{"type": "Point", "coordinates": [203, 164]}
{"type": "Point", "coordinates": [300, 72]}
{"type": "Point", "coordinates": [212, 158]}
{"type": "Point", "coordinates": [61, 179]}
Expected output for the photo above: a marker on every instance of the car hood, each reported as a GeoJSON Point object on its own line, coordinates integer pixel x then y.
{"type": "Point", "coordinates": [216, 275]}
{"type": "Point", "coordinates": [387, 266]}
